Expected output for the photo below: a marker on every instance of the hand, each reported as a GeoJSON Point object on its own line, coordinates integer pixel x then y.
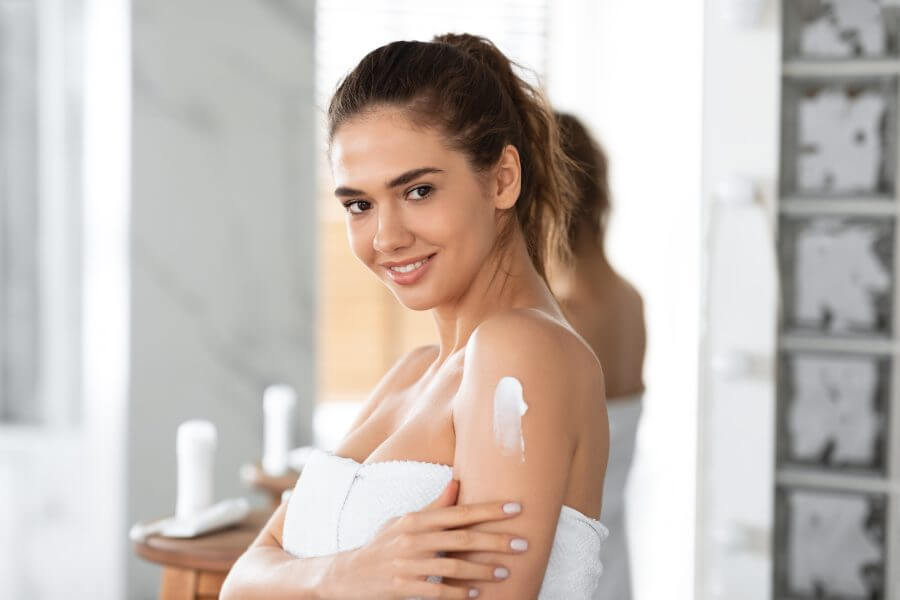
{"type": "Point", "coordinates": [395, 564]}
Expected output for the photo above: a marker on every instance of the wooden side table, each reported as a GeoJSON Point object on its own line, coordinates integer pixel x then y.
{"type": "Point", "coordinates": [195, 568]}
{"type": "Point", "coordinates": [253, 475]}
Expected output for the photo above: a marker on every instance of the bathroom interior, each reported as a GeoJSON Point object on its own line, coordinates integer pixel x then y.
{"type": "Point", "coordinates": [174, 271]}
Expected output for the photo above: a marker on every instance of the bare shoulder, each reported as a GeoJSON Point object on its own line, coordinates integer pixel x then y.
{"type": "Point", "coordinates": [530, 341]}
{"type": "Point", "coordinates": [632, 289]}
{"type": "Point", "coordinates": [535, 339]}
{"type": "Point", "coordinates": [629, 294]}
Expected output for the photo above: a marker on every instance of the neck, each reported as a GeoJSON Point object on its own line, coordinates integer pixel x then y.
{"type": "Point", "coordinates": [517, 284]}
{"type": "Point", "coordinates": [589, 265]}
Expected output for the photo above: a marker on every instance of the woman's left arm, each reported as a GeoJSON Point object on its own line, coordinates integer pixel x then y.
{"type": "Point", "coordinates": [507, 355]}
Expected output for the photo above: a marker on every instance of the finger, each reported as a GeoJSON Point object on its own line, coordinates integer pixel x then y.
{"type": "Point", "coordinates": [456, 540]}
{"type": "Point", "coordinates": [456, 568]}
{"type": "Point", "coordinates": [447, 497]}
{"type": "Point", "coordinates": [427, 589]}
{"type": "Point", "coordinates": [457, 516]}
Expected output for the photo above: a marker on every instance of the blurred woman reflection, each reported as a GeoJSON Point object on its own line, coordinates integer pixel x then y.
{"type": "Point", "coordinates": [608, 312]}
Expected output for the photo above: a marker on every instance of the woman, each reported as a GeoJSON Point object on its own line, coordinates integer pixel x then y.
{"type": "Point", "coordinates": [608, 312]}
{"type": "Point", "coordinates": [456, 191]}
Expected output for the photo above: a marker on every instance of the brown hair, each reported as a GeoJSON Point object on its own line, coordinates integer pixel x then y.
{"type": "Point", "coordinates": [463, 85]}
{"type": "Point", "coordinates": [591, 177]}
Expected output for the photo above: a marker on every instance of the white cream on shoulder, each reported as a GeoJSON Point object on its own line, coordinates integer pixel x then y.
{"type": "Point", "coordinates": [509, 408]}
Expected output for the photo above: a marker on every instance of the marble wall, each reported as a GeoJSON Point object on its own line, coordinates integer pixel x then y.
{"type": "Point", "coordinates": [223, 235]}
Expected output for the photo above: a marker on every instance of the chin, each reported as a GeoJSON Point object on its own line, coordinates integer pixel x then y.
{"type": "Point", "coordinates": [414, 304]}
{"type": "Point", "coordinates": [412, 299]}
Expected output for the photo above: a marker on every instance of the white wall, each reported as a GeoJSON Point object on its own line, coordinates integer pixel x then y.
{"type": "Point", "coordinates": [633, 72]}
{"type": "Point", "coordinates": [62, 482]}
{"type": "Point", "coordinates": [740, 137]}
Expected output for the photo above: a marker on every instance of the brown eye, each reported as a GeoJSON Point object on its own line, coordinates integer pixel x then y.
{"type": "Point", "coordinates": [347, 206]}
{"type": "Point", "coordinates": [422, 195]}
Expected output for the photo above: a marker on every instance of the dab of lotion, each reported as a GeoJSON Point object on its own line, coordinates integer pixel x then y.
{"type": "Point", "coordinates": [509, 407]}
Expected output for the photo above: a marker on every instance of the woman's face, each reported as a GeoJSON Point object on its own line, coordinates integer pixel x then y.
{"type": "Point", "coordinates": [409, 198]}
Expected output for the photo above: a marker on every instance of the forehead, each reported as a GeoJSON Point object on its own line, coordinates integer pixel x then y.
{"type": "Point", "coordinates": [371, 148]}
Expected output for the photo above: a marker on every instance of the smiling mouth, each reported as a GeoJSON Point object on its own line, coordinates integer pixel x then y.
{"type": "Point", "coordinates": [412, 266]}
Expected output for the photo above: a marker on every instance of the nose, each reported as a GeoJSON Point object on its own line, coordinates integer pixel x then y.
{"type": "Point", "coordinates": [392, 233]}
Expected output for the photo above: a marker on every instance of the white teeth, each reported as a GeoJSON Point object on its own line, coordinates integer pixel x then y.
{"type": "Point", "coordinates": [408, 268]}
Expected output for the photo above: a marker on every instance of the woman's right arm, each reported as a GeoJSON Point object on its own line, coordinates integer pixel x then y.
{"type": "Point", "coordinates": [261, 572]}
{"type": "Point", "coordinates": [267, 571]}
{"type": "Point", "coordinates": [393, 565]}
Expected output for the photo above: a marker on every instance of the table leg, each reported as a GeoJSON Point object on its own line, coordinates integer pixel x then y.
{"type": "Point", "coordinates": [209, 584]}
{"type": "Point", "coordinates": [187, 584]}
{"type": "Point", "coordinates": [177, 584]}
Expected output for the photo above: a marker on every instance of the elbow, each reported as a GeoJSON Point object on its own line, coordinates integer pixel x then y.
{"type": "Point", "coordinates": [231, 587]}
{"type": "Point", "coordinates": [228, 591]}
{"type": "Point", "coordinates": [235, 585]}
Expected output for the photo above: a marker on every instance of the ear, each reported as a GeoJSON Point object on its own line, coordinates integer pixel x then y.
{"type": "Point", "coordinates": [506, 180]}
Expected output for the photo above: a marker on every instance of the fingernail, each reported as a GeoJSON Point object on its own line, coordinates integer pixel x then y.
{"type": "Point", "coordinates": [501, 572]}
{"type": "Point", "coordinates": [512, 507]}
{"type": "Point", "coordinates": [473, 593]}
{"type": "Point", "coordinates": [518, 544]}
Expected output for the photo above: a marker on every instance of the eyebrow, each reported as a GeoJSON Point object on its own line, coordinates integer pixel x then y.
{"type": "Point", "coordinates": [396, 181]}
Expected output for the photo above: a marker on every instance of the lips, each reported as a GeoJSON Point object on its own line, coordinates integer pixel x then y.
{"type": "Point", "coordinates": [412, 276]}
{"type": "Point", "coordinates": [406, 262]}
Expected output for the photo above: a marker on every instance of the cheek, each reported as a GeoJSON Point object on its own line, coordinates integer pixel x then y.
{"type": "Point", "coordinates": [470, 220]}
{"type": "Point", "coordinates": [360, 241]}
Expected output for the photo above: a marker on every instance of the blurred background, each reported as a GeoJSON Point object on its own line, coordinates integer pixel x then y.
{"type": "Point", "coordinates": [169, 248]}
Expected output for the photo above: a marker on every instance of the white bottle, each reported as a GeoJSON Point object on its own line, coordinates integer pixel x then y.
{"type": "Point", "coordinates": [279, 406]}
{"type": "Point", "coordinates": [195, 451]}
